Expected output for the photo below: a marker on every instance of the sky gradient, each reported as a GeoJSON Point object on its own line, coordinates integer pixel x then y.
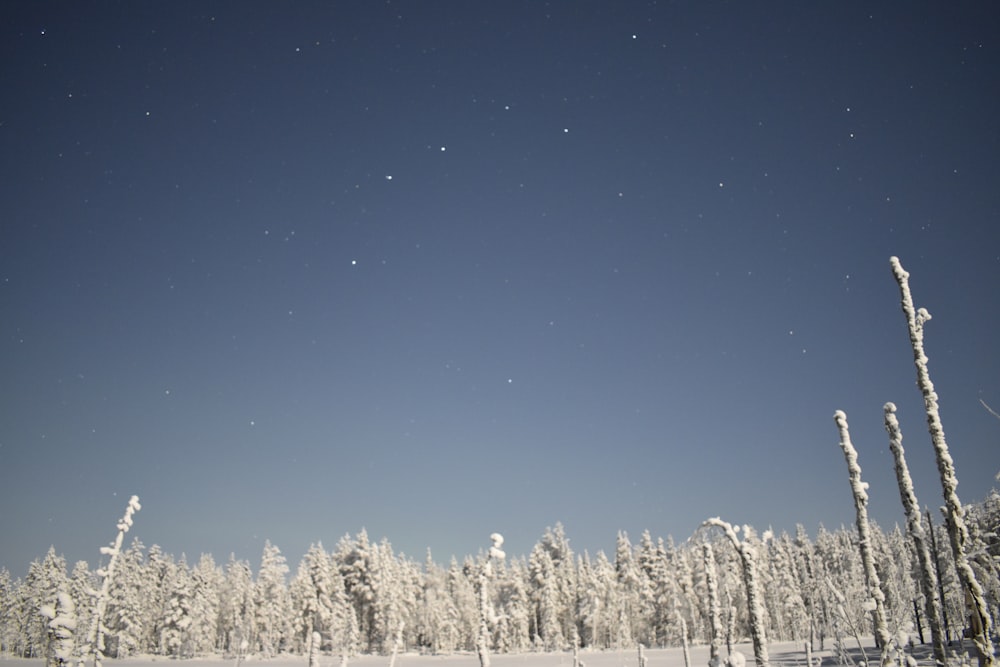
{"type": "Point", "coordinates": [440, 269]}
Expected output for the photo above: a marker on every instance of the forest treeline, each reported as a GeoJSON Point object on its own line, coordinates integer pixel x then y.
{"type": "Point", "coordinates": [362, 597]}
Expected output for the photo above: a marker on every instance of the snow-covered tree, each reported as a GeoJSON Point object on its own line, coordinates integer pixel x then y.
{"type": "Point", "coordinates": [44, 581]}
{"type": "Point", "coordinates": [432, 607]}
{"type": "Point", "coordinates": [8, 612]}
{"type": "Point", "coordinates": [272, 602]}
{"type": "Point", "coordinates": [178, 618]}
{"type": "Point", "coordinates": [629, 592]}
{"type": "Point", "coordinates": [95, 637]}
{"type": "Point", "coordinates": [206, 586]}
{"type": "Point", "coordinates": [354, 558]}
{"type": "Point", "coordinates": [546, 598]}
{"type": "Point", "coordinates": [513, 635]}
{"type": "Point", "coordinates": [714, 609]}
{"type": "Point", "coordinates": [128, 602]}
{"type": "Point", "coordinates": [860, 491]}
{"type": "Point", "coordinates": [978, 612]}
{"type": "Point", "coordinates": [157, 580]}
{"type": "Point", "coordinates": [60, 629]}
{"type": "Point", "coordinates": [487, 614]}
{"type": "Point", "coordinates": [915, 529]}
{"type": "Point", "coordinates": [237, 608]}
{"type": "Point", "coordinates": [748, 561]}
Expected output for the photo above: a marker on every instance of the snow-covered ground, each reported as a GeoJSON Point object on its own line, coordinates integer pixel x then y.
{"type": "Point", "coordinates": [781, 654]}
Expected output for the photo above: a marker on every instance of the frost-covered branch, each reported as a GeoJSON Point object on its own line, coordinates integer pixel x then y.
{"type": "Point", "coordinates": [95, 638]}
{"type": "Point", "coordinates": [748, 559]}
{"type": "Point", "coordinates": [860, 491]}
{"type": "Point", "coordinates": [958, 533]}
{"type": "Point", "coordinates": [989, 409]}
{"type": "Point", "coordinates": [915, 527]}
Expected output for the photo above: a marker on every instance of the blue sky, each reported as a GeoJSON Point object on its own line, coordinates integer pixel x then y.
{"type": "Point", "coordinates": [443, 269]}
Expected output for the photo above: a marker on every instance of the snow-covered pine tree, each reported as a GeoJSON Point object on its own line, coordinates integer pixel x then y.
{"type": "Point", "coordinates": [127, 599]}
{"type": "Point", "coordinates": [663, 594]}
{"type": "Point", "coordinates": [310, 592]}
{"type": "Point", "coordinates": [8, 610]}
{"type": "Point", "coordinates": [175, 636]}
{"type": "Point", "coordinates": [432, 606]}
{"type": "Point", "coordinates": [978, 611]}
{"type": "Point", "coordinates": [355, 560]}
{"type": "Point", "coordinates": [860, 491]}
{"type": "Point", "coordinates": [237, 613]}
{"type": "Point", "coordinates": [95, 637]}
{"type": "Point", "coordinates": [61, 628]}
{"type": "Point", "coordinates": [915, 529]}
{"type": "Point", "coordinates": [545, 593]}
{"type": "Point", "coordinates": [41, 586]}
{"type": "Point", "coordinates": [462, 623]}
{"type": "Point", "coordinates": [788, 598]}
{"type": "Point", "coordinates": [514, 603]}
{"type": "Point", "coordinates": [206, 588]}
{"type": "Point", "coordinates": [748, 561]}
{"type": "Point", "coordinates": [271, 601]}
{"type": "Point", "coordinates": [629, 590]}
{"type": "Point", "coordinates": [156, 581]}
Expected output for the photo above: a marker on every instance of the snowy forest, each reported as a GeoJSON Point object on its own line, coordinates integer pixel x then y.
{"type": "Point", "coordinates": [927, 583]}
{"type": "Point", "coordinates": [364, 597]}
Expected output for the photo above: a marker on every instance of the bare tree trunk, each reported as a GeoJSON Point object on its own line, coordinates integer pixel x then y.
{"type": "Point", "coordinates": [958, 533]}
{"type": "Point", "coordinates": [928, 580]}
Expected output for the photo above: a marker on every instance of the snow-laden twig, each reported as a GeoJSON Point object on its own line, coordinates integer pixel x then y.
{"type": "Point", "coordinates": [860, 491]}
{"type": "Point", "coordinates": [958, 532]}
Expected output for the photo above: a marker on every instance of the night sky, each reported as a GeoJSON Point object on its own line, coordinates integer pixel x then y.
{"type": "Point", "coordinates": [444, 268]}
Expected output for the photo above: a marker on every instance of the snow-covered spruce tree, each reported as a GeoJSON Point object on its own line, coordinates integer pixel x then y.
{"type": "Point", "coordinates": [629, 593]}
{"type": "Point", "coordinates": [61, 627]}
{"type": "Point", "coordinates": [175, 635]}
{"type": "Point", "coordinates": [860, 492]}
{"type": "Point", "coordinates": [45, 579]}
{"type": "Point", "coordinates": [979, 618]}
{"type": "Point", "coordinates": [237, 611]}
{"type": "Point", "coordinates": [714, 613]}
{"type": "Point", "coordinates": [487, 616]}
{"type": "Point", "coordinates": [127, 603]}
{"type": "Point", "coordinates": [748, 561]}
{"type": "Point", "coordinates": [272, 601]}
{"type": "Point", "coordinates": [206, 580]}
{"type": "Point", "coordinates": [311, 591]}
{"type": "Point", "coordinates": [915, 528]}
{"type": "Point", "coordinates": [95, 638]}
